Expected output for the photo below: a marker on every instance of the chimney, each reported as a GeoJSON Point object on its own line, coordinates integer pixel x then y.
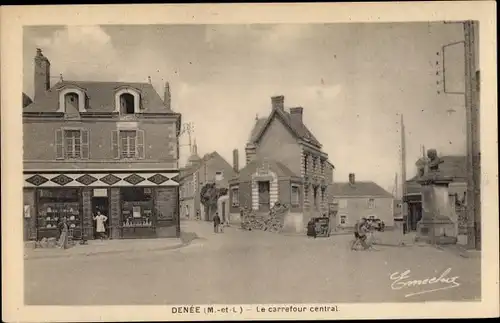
{"type": "Point", "coordinates": [352, 179]}
{"type": "Point", "coordinates": [236, 160]}
{"type": "Point", "coordinates": [278, 102]}
{"type": "Point", "coordinates": [42, 74]}
{"type": "Point", "coordinates": [251, 152]}
{"type": "Point", "coordinates": [296, 114]}
{"type": "Point", "coordinates": [166, 96]}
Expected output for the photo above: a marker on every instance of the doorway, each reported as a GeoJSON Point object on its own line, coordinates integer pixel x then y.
{"type": "Point", "coordinates": [264, 196]}
{"type": "Point", "coordinates": [100, 203]}
{"type": "Point", "coordinates": [414, 215]}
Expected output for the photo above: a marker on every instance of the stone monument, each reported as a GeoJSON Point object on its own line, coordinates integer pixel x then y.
{"type": "Point", "coordinates": [437, 225]}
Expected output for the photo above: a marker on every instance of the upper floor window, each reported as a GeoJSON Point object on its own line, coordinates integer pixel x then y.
{"type": "Point", "coordinates": [72, 143]}
{"type": "Point", "coordinates": [342, 203]}
{"type": "Point", "coordinates": [371, 203]}
{"type": "Point", "coordinates": [219, 176]}
{"type": "Point", "coordinates": [127, 101]}
{"type": "Point", "coordinates": [128, 144]}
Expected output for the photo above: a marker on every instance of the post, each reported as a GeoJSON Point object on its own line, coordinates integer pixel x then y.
{"type": "Point", "coordinates": [473, 207]}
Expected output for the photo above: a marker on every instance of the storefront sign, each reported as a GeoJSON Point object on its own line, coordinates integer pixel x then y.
{"type": "Point", "coordinates": [99, 192]}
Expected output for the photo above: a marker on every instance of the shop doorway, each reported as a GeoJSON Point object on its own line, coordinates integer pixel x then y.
{"type": "Point", "coordinates": [100, 202]}
{"type": "Point", "coordinates": [414, 215]}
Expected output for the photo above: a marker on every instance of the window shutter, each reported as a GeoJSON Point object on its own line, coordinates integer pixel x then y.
{"type": "Point", "coordinates": [59, 144]}
{"type": "Point", "coordinates": [85, 144]}
{"type": "Point", "coordinates": [140, 144]}
{"type": "Point", "coordinates": [114, 144]}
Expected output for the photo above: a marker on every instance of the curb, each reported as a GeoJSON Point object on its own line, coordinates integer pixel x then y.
{"type": "Point", "coordinates": [68, 255]}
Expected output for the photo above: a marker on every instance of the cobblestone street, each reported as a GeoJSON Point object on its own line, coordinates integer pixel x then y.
{"type": "Point", "coordinates": [249, 267]}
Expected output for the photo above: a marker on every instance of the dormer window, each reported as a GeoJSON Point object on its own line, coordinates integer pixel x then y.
{"type": "Point", "coordinates": [127, 101]}
{"type": "Point", "coordinates": [72, 100]}
{"type": "Point", "coordinates": [127, 104]}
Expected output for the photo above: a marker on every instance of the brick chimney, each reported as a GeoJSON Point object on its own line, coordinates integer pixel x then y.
{"type": "Point", "coordinates": [352, 179]}
{"type": "Point", "coordinates": [166, 96]}
{"type": "Point", "coordinates": [296, 114]}
{"type": "Point", "coordinates": [278, 102]}
{"type": "Point", "coordinates": [236, 160]}
{"type": "Point", "coordinates": [42, 74]}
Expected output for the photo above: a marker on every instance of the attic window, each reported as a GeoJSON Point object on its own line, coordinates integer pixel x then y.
{"type": "Point", "coordinates": [72, 100]}
{"type": "Point", "coordinates": [127, 104]}
{"type": "Point", "coordinates": [127, 101]}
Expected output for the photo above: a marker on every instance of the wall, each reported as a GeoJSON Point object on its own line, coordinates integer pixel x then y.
{"type": "Point", "coordinates": [279, 144]}
{"type": "Point", "coordinates": [358, 208]}
{"type": "Point", "coordinates": [39, 140]}
{"type": "Point", "coordinates": [206, 172]}
{"type": "Point", "coordinates": [29, 224]}
{"type": "Point", "coordinates": [245, 193]}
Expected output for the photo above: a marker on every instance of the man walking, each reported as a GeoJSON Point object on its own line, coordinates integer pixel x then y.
{"type": "Point", "coordinates": [216, 222]}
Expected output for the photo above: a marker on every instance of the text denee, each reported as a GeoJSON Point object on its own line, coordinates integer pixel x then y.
{"type": "Point", "coordinates": [186, 310]}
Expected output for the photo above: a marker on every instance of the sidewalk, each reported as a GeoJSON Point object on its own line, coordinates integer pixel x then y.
{"type": "Point", "coordinates": [96, 247]}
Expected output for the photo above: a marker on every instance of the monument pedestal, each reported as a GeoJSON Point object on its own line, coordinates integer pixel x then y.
{"type": "Point", "coordinates": [437, 225]}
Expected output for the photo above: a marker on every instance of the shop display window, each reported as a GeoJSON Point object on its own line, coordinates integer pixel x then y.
{"type": "Point", "coordinates": [54, 205]}
{"type": "Point", "coordinates": [137, 207]}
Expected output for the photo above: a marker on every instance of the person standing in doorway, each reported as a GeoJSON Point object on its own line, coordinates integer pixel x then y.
{"type": "Point", "coordinates": [216, 222]}
{"type": "Point", "coordinates": [100, 228]}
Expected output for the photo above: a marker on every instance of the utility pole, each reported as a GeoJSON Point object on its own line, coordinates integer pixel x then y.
{"type": "Point", "coordinates": [473, 165]}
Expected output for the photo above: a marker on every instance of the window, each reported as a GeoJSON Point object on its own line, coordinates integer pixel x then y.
{"type": "Point", "coordinates": [371, 203]}
{"type": "Point", "coordinates": [235, 197]}
{"type": "Point", "coordinates": [72, 143]}
{"type": "Point", "coordinates": [72, 100]}
{"type": "Point", "coordinates": [127, 103]}
{"type": "Point", "coordinates": [342, 203]}
{"type": "Point", "coordinates": [128, 144]}
{"type": "Point", "coordinates": [343, 219]}
{"type": "Point", "coordinates": [295, 200]}
{"type": "Point", "coordinates": [219, 176]}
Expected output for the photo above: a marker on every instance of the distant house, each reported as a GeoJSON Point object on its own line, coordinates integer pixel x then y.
{"type": "Point", "coordinates": [211, 168]}
{"type": "Point", "coordinates": [355, 200]}
{"type": "Point", "coordinates": [452, 166]}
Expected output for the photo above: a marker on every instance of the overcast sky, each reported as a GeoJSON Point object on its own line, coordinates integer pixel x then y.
{"type": "Point", "coordinates": [353, 81]}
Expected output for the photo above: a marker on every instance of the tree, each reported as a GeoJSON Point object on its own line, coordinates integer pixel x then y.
{"type": "Point", "coordinates": [209, 194]}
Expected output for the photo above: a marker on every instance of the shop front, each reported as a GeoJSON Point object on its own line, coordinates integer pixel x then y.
{"type": "Point", "coordinates": [138, 205]}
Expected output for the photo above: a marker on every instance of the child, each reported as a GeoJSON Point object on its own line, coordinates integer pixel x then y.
{"type": "Point", "coordinates": [216, 222]}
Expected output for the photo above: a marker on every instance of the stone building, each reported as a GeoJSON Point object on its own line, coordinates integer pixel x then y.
{"type": "Point", "coordinates": [357, 199]}
{"type": "Point", "coordinates": [108, 146]}
{"type": "Point", "coordinates": [211, 168]}
{"type": "Point", "coordinates": [285, 163]}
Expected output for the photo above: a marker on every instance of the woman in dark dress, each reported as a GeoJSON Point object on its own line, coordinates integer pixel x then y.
{"type": "Point", "coordinates": [311, 228]}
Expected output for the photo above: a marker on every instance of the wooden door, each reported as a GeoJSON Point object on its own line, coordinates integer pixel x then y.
{"type": "Point", "coordinates": [264, 196]}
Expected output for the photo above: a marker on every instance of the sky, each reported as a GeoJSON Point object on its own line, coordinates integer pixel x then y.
{"type": "Point", "coordinates": [353, 80]}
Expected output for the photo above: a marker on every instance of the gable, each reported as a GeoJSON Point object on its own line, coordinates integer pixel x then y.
{"type": "Point", "coordinates": [278, 132]}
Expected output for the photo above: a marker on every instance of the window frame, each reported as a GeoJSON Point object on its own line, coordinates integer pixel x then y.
{"type": "Point", "coordinates": [61, 143]}
{"type": "Point", "coordinates": [235, 198]}
{"type": "Point", "coordinates": [371, 203]}
{"type": "Point", "coordinates": [117, 144]}
{"type": "Point", "coordinates": [345, 218]}
{"type": "Point", "coordinates": [292, 186]}
{"type": "Point", "coordinates": [342, 203]}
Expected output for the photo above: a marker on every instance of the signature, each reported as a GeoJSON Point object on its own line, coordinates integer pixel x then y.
{"type": "Point", "coordinates": [403, 280]}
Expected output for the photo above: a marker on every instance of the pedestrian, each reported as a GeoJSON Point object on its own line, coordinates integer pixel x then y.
{"type": "Point", "coordinates": [100, 228]}
{"type": "Point", "coordinates": [216, 222]}
{"type": "Point", "coordinates": [360, 230]}
{"type": "Point", "coordinates": [198, 217]}
{"type": "Point", "coordinates": [311, 228]}
{"type": "Point", "coordinates": [63, 233]}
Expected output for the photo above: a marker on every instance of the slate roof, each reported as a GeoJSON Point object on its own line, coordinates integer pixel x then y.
{"type": "Point", "coordinates": [187, 171]}
{"type": "Point", "coordinates": [359, 189]}
{"type": "Point", "coordinates": [297, 127]}
{"type": "Point", "coordinates": [279, 168]}
{"type": "Point", "coordinates": [101, 97]}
